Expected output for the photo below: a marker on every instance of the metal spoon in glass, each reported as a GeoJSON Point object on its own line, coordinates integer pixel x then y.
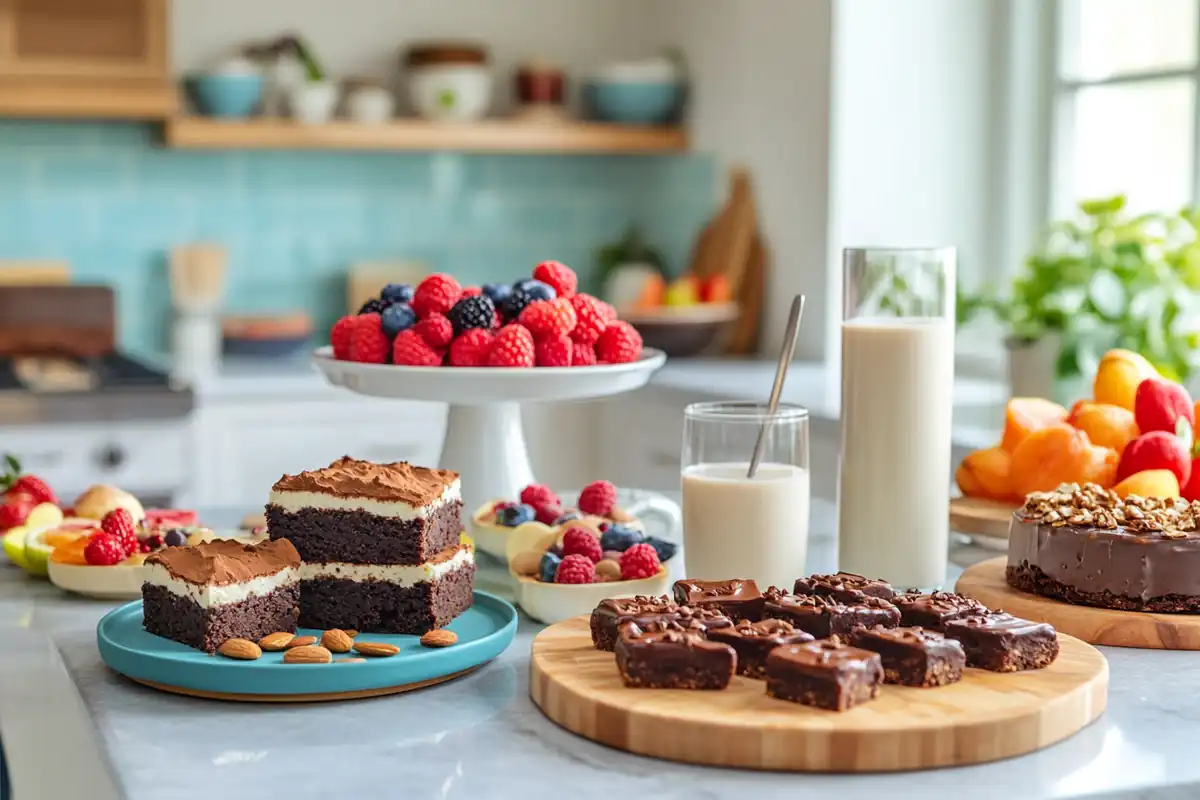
{"type": "Point", "coordinates": [785, 360]}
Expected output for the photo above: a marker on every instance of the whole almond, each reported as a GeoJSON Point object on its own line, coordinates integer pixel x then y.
{"type": "Point", "coordinates": [439, 638]}
{"type": "Point", "coordinates": [350, 632]}
{"type": "Point", "coordinates": [348, 660]}
{"type": "Point", "coordinates": [336, 641]}
{"type": "Point", "coordinates": [276, 641]}
{"type": "Point", "coordinates": [376, 649]}
{"type": "Point", "coordinates": [307, 654]}
{"type": "Point", "coordinates": [301, 641]}
{"type": "Point", "coordinates": [242, 649]}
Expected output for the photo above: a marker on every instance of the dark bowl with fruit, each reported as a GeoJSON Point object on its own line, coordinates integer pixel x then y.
{"type": "Point", "coordinates": [682, 331]}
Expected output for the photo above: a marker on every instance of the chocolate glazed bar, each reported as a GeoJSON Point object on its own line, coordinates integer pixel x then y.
{"type": "Point", "coordinates": [736, 598]}
{"type": "Point", "coordinates": [753, 642]}
{"type": "Point", "coordinates": [824, 674]}
{"type": "Point", "coordinates": [1003, 643]}
{"type": "Point", "coordinates": [932, 611]}
{"type": "Point", "coordinates": [845, 587]}
{"type": "Point", "coordinates": [913, 656]}
{"type": "Point", "coordinates": [824, 617]}
{"type": "Point", "coordinates": [667, 656]}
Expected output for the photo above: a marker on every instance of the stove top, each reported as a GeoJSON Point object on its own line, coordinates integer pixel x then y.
{"type": "Point", "coordinates": [45, 375]}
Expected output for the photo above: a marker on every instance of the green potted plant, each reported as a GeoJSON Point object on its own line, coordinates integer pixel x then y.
{"type": "Point", "coordinates": [1102, 280]}
{"type": "Point", "coordinates": [624, 266]}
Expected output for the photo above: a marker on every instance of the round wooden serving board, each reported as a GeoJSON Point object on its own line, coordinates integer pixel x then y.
{"type": "Point", "coordinates": [303, 698]}
{"type": "Point", "coordinates": [986, 716]}
{"type": "Point", "coordinates": [985, 582]}
{"type": "Point", "coordinates": [974, 516]}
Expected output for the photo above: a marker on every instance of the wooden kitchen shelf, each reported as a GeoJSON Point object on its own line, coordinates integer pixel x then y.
{"type": "Point", "coordinates": [492, 136]}
{"type": "Point", "coordinates": [86, 99]}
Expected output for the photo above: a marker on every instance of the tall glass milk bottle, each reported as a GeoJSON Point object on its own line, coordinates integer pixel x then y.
{"type": "Point", "coordinates": [897, 398]}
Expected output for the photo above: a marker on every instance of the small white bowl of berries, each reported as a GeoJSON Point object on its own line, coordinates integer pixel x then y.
{"type": "Point", "coordinates": [566, 570]}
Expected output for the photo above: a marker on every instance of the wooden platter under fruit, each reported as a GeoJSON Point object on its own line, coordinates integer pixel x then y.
{"type": "Point", "coordinates": [979, 517]}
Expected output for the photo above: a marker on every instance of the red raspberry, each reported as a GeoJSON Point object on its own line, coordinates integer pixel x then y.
{"type": "Point", "coordinates": [583, 355]}
{"type": "Point", "coordinates": [583, 542]}
{"type": "Point", "coordinates": [104, 550]}
{"type": "Point", "coordinates": [546, 513]}
{"type": "Point", "coordinates": [608, 312]}
{"type": "Point", "coordinates": [554, 352]}
{"type": "Point", "coordinates": [512, 347]}
{"type": "Point", "coordinates": [339, 337]}
{"type": "Point", "coordinates": [590, 321]}
{"type": "Point", "coordinates": [471, 349]}
{"type": "Point", "coordinates": [497, 319]}
{"type": "Point", "coordinates": [436, 330]}
{"type": "Point", "coordinates": [619, 344]}
{"type": "Point", "coordinates": [470, 291]}
{"type": "Point", "coordinates": [558, 276]}
{"type": "Point", "coordinates": [548, 318]}
{"type": "Point", "coordinates": [118, 524]}
{"type": "Point", "coordinates": [598, 498]}
{"type": "Point", "coordinates": [576, 569]}
{"type": "Point", "coordinates": [639, 561]}
{"type": "Point", "coordinates": [535, 494]}
{"type": "Point", "coordinates": [368, 343]}
{"type": "Point", "coordinates": [410, 350]}
{"type": "Point", "coordinates": [435, 294]}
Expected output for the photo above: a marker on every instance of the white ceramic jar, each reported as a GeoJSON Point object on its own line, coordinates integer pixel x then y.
{"type": "Point", "coordinates": [313, 102]}
{"type": "Point", "coordinates": [370, 104]}
{"type": "Point", "coordinates": [449, 83]}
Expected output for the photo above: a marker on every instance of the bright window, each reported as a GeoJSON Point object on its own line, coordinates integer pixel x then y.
{"type": "Point", "coordinates": [1126, 113]}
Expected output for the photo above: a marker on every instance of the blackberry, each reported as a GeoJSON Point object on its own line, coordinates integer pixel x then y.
{"type": "Point", "coordinates": [476, 311]}
{"type": "Point", "coordinates": [523, 293]}
{"type": "Point", "coordinates": [397, 293]}
{"type": "Point", "coordinates": [373, 306]}
{"type": "Point", "coordinates": [666, 550]}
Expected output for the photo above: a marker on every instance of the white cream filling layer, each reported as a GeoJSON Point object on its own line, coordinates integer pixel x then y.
{"type": "Point", "coordinates": [295, 501]}
{"type": "Point", "coordinates": [210, 596]}
{"type": "Point", "coordinates": [399, 574]}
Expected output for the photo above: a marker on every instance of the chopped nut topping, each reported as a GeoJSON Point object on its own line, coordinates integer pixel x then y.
{"type": "Point", "coordinates": [1091, 506]}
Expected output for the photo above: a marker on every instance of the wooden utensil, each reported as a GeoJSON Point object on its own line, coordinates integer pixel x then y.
{"type": "Point", "coordinates": [724, 246]}
{"type": "Point", "coordinates": [197, 276]}
{"type": "Point", "coordinates": [743, 338]}
{"type": "Point", "coordinates": [365, 280]}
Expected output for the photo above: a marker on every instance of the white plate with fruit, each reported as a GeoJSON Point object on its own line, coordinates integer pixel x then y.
{"type": "Point", "coordinates": [566, 568]}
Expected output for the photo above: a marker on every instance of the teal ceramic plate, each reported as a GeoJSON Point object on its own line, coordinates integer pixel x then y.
{"type": "Point", "coordinates": [484, 631]}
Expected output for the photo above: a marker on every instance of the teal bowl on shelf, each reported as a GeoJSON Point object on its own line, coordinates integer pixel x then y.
{"type": "Point", "coordinates": [225, 96]}
{"type": "Point", "coordinates": [635, 103]}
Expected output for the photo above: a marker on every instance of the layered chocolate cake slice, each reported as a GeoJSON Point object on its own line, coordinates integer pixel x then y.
{"type": "Point", "coordinates": [205, 595]}
{"type": "Point", "coordinates": [380, 545]}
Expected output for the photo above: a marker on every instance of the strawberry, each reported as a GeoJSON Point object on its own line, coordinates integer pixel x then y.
{"type": "Point", "coordinates": [1159, 404]}
{"type": "Point", "coordinates": [1191, 490]}
{"type": "Point", "coordinates": [118, 524]}
{"type": "Point", "coordinates": [13, 482]}
{"type": "Point", "coordinates": [1157, 450]}
{"type": "Point", "coordinates": [15, 509]}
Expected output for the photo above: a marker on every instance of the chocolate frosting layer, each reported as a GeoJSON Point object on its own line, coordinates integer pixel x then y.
{"type": "Point", "coordinates": [226, 561]}
{"type": "Point", "coordinates": [396, 482]}
{"type": "Point", "coordinates": [1142, 565]}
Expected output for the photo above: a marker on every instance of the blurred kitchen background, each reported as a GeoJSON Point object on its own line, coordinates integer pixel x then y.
{"type": "Point", "coordinates": [192, 191]}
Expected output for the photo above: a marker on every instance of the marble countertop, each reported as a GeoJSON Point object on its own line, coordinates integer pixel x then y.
{"type": "Point", "coordinates": [481, 736]}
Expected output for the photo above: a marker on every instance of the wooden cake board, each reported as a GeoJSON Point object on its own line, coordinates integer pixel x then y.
{"type": "Point", "coordinates": [974, 516]}
{"type": "Point", "coordinates": [303, 698]}
{"type": "Point", "coordinates": [987, 716]}
{"type": "Point", "coordinates": [985, 582]}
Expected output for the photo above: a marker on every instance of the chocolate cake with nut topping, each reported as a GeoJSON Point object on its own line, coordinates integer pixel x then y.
{"type": "Point", "coordinates": [203, 596]}
{"type": "Point", "coordinates": [380, 545]}
{"type": "Point", "coordinates": [1087, 546]}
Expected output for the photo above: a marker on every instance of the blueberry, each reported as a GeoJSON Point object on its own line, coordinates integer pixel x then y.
{"type": "Point", "coordinates": [476, 311]}
{"type": "Point", "coordinates": [397, 293]}
{"type": "Point", "coordinates": [567, 517]}
{"type": "Point", "coordinates": [499, 292]}
{"type": "Point", "coordinates": [176, 537]}
{"type": "Point", "coordinates": [618, 537]}
{"type": "Point", "coordinates": [513, 516]}
{"type": "Point", "coordinates": [666, 550]}
{"type": "Point", "coordinates": [523, 293]}
{"type": "Point", "coordinates": [396, 318]}
{"type": "Point", "coordinates": [548, 568]}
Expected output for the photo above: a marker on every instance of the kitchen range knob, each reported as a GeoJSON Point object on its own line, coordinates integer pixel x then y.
{"type": "Point", "coordinates": [111, 457]}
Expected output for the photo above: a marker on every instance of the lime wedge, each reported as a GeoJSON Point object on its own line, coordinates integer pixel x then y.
{"type": "Point", "coordinates": [14, 545]}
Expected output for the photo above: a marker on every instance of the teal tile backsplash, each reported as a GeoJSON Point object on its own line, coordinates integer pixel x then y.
{"type": "Point", "coordinates": [108, 199]}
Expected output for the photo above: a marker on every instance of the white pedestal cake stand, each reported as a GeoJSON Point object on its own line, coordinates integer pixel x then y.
{"type": "Point", "coordinates": [484, 439]}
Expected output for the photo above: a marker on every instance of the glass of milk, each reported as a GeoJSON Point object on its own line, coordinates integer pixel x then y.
{"type": "Point", "coordinates": [740, 527]}
{"type": "Point", "coordinates": [897, 398]}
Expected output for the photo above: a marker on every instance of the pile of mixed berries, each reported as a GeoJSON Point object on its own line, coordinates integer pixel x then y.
{"type": "Point", "coordinates": [542, 321]}
{"type": "Point", "coordinates": [119, 538]}
{"type": "Point", "coordinates": [619, 553]}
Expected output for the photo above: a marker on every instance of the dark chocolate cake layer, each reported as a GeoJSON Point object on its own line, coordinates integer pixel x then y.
{"type": "Point", "coordinates": [183, 620]}
{"type": "Point", "coordinates": [382, 607]}
{"type": "Point", "coordinates": [360, 537]}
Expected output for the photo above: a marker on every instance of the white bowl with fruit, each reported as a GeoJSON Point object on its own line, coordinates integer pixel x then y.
{"type": "Point", "coordinates": [566, 570]}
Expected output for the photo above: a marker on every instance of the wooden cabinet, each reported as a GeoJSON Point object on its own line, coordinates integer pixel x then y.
{"type": "Point", "coordinates": [85, 58]}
